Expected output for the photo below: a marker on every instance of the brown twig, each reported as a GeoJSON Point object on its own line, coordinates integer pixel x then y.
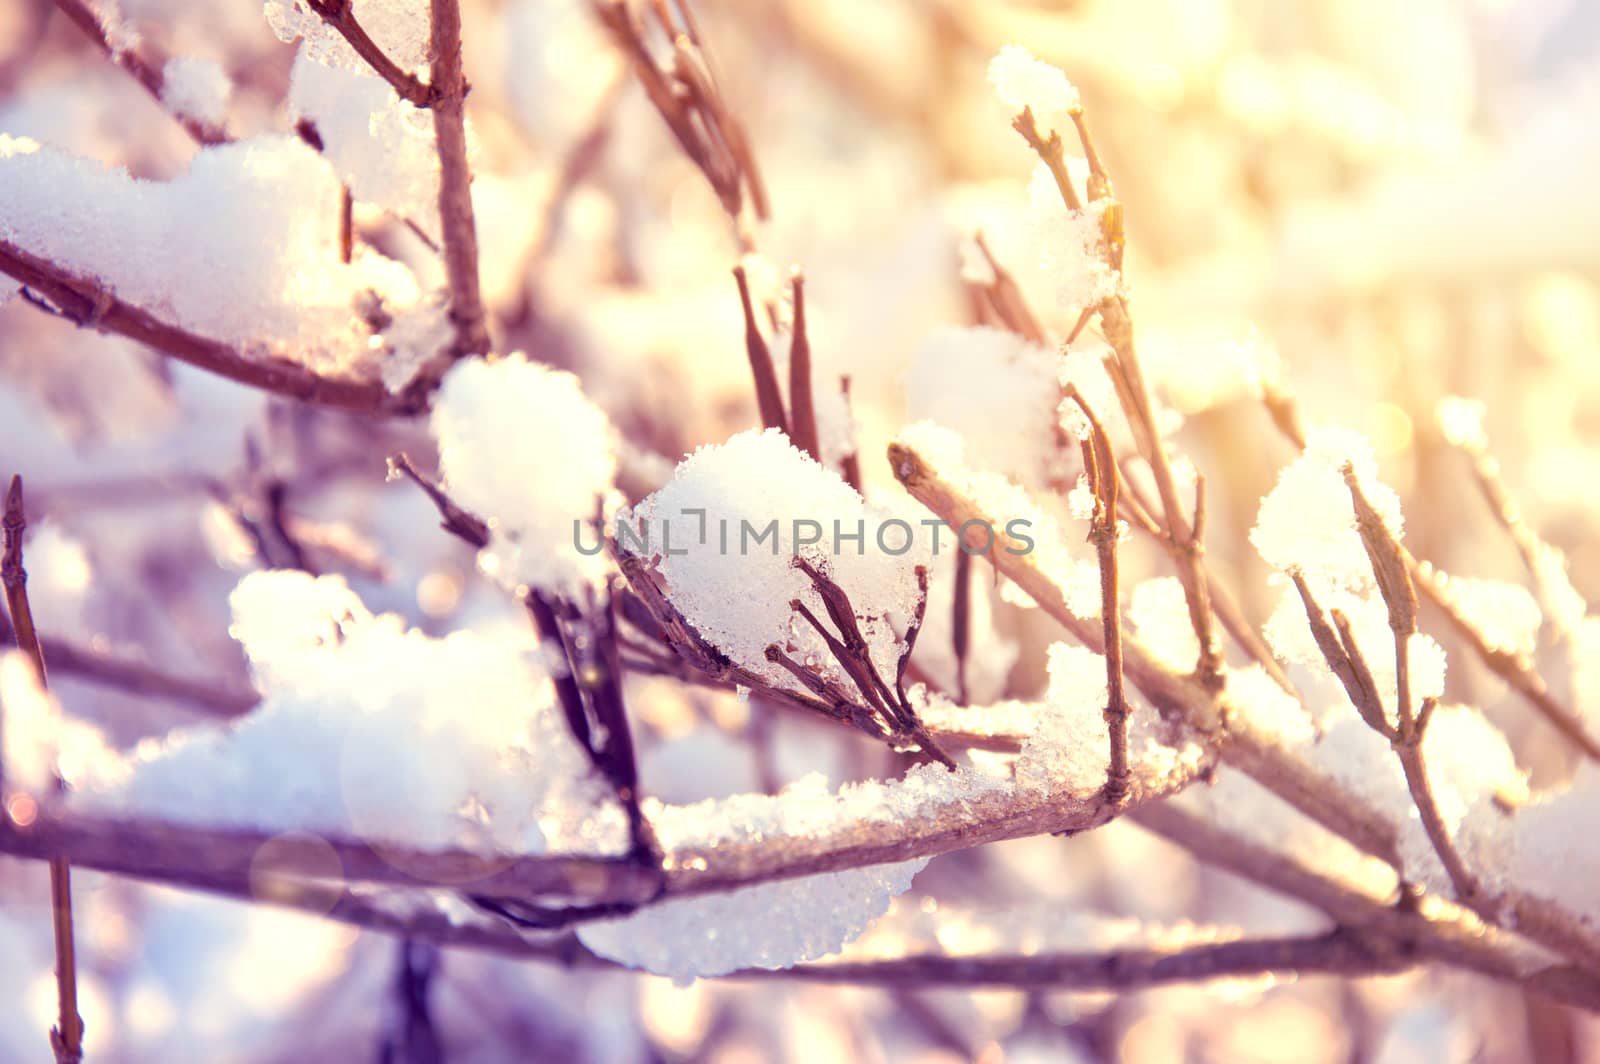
{"type": "Point", "coordinates": [449, 92]}
{"type": "Point", "coordinates": [1257, 753]}
{"type": "Point", "coordinates": [143, 70]}
{"type": "Point", "coordinates": [961, 622]}
{"type": "Point", "coordinates": [1182, 539]}
{"type": "Point", "coordinates": [68, 658]}
{"type": "Point", "coordinates": [1343, 951]}
{"type": "Point", "coordinates": [769, 400]}
{"type": "Point", "coordinates": [1407, 737]}
{"type": "Point", "coordinates": [1101, 466]}
{"type": "Point", "coordinates": [1516, 670]}
{"type": "Point", "coordinates": [690, 102]}
{"type": "Point", "coordinates": [340, 17]}
{"type": "Point", "coordinates": [851, 466]}
{"type": "Point", "coordinates": [66, 1038]}
{"type": "Point", "coordinates": [89, 304]}
{"type": "Point", "coordinates": [802, 408]}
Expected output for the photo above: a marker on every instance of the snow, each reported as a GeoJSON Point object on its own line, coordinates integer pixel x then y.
{"type": "Point", "coordinates": [705, 526]}
{"type": "Point", "coordinates": [398, 27]}
{"type": "Point", "coordinates": [39, 741]}
{"type": "Point", "coordinates": [1021, 81]}
{"type": "Point", "coordinates": [1007, 504]}
{"type": "Point", "coordinates": [1289, 635]}
{"type": "Point", "coordinates": [1068, 749]}
{"type": "Point", "coordinates": [380, 145]}
{"type": "Point", "coordinates": [243, 247]}
{"type": "Point", "coordinates": [1505, 614]}
{"type": "Point", "coordinates": [998, 391]}
{"type": "Point", "coordinates": [522, 447]}
{"type": "Point", "coordinates": [1159, 611]}
{"type": "Point", "coordinates": [196, 87]}
{"type": "Point", "coordinates": [367, 729]}
{"type": "Point", "coordinates": [1069, 244]}
{"type": "Point", "coordinates": [1307, 522]}
{"type": "Point", "coordinates": [1553, 848]}
{"type": "Point", "coordinates": [685, 938]}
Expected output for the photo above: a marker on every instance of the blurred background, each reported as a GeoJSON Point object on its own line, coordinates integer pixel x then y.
{"type": "Point", "coordinates": [1394, 202]}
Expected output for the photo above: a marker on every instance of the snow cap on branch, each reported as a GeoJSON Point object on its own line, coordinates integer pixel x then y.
{"type": "Point", "coordinates": [521, 446]}
{"type": "Point", "coordinates": [734, 584]}
{"type": "Point", "coordinates": [1022, 81]}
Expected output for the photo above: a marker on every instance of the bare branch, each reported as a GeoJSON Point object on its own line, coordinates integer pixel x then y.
{"type": "Point", "coordinates": [1101, 465]}
{"type": "Point", "coordinates": [340, 17]}
{"type": "Point", "coordinates": [769, 400]}
{"type": "Point", "coordinates": [449, 93]}
{"type": "Point", "coordinates": [66, 1038]}
{"type": "Point", "coordinates": [802, 409]}
{"type": "Point", "coordinates": [151, 77]}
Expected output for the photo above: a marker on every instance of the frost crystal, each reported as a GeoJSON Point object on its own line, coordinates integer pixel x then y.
{"type": "Point", "coordinates": [1021, 81]}
{"type": "Point", "coordinates": [521, 446]}
{"type": "Point", "coordinates": [197, 88]}
{"type": "Point", "coordinates": [371, 730]}
{"type": "Point", "coordinates": [726, 528]}
{"type": "Point", "coordinates": [771, 925]}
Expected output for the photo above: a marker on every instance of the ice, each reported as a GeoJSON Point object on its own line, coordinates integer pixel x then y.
{"type": "Point", "coordinates": [735, 587]}
{"type": "Point", "coordinates": [398, 27]}
{"type": "Point", "coordinates": [1022, 81]}
{"type": "Point", "coordinates": [522, 447]}
{"type": "Point", "coordinates": [771, 925]}
{"type": "Point", "coordinates": [367, 729]}
{"type": "Point", "coordinates": [196, 87]}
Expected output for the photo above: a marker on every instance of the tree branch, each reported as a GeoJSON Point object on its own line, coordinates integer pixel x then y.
{"type": "Point", "coordinates": [66, 1038]}
{"type": "Point", "coordinates": [91, 305]}
{"type": "Point", "coordinates": [151, 77]}
{"type": "Point", "coordinates": [455, 183]}
{"type": "Point", "coordinates": [340, 17]}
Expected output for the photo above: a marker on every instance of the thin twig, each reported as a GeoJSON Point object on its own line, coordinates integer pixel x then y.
{"type": "Point", "coordinates": [340, 17]}
{"type": "Point", "coordinates": [68, 658]}
{"type": "Point", "coordinates": [1410, 733]}
{"type": "Point", "coordinates": [802, 408]}
{"type": "Point", "coordinates": [1101, 466]}
{"type": "Point", "coordinates": [456, 221]}
{"type": "Point", "coordinates": [1183, 541]}
{"type": "Point", "coordinates": [1516, 670]}
{"type": "Point", "coordinates": [151, 77]}
{"type": "Point", "coordinates": [66, 1038]}
{"type": "Point", "coordinates": [769, 401]}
